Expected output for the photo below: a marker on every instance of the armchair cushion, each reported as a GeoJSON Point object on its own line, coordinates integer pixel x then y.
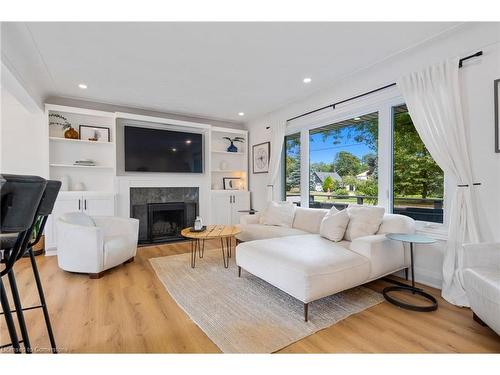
{"type": "Point", "coordinates": [79, 218]}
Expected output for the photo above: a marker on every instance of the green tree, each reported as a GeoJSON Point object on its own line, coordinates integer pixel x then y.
{"type": "Point", "coordinates": [347, 164]}
{"type": "Point", "coordinates": [329, 184]}
{"type": "Point", "coordinates": [370, 162]}
{"type": "Point", "coordinates": [292, 173]}
{"type": "Point", "coordinates": [415, 171]}
{"type": "Point", "coordinates": [321, 167]}
{"type": "Point", "coordinates": [349, 181]}
{"type": "Point", "coordinates": [368, 188]}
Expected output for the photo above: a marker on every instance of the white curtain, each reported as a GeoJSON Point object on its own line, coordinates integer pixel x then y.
{"type": "Point", "coordinates": [277, 138]}
{"type": "Point", "coordinates": [433, 100]}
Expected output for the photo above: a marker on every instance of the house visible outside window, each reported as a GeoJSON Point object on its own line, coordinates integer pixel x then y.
{"type": "Point", "coordinates": [343, 163]}
{"type": "Point", "coordinates": [417, 181]}
{"type": "Point", "coordinates": [292, 168]}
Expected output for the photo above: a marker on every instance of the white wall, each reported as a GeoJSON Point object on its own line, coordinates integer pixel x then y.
{"type": "Point", "coordinates": [477, 83]}
{"type": "Point", "coordinates": [23, 135]}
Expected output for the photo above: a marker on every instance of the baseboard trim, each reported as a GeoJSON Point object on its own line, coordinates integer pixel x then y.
{"type": "Point", "coordinates": [426, 277]}
{"type": "Point", "coordinates": [50, 252]}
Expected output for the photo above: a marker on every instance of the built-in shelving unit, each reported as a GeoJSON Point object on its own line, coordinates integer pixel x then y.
{"type": "Point", "coordinates": [228, 164]}
{"type": "Point", "coordinates": [64, 152]}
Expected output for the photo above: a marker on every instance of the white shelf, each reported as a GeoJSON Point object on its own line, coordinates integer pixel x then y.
{"type": "Point", "coordinates": [228, 153]}
{"type": "Point", "coordinates": [59, 165]}
{"type": "Point", "coordinates": [227, 170]}
{"type": "Point", "coordinates": [67, 140]}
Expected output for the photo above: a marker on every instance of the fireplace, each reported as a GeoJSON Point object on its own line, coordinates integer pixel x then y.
{"type": "Point", "coordinates": [165, 221]}
{"type": "Point", "coordinates": [163, 212]}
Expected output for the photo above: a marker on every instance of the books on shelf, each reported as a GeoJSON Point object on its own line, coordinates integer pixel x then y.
{"type": "Point", "coordinates": [85, 162]}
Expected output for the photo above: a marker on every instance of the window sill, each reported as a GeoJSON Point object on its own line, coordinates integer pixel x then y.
{"type": "Point", "coordinates": [432, 230]}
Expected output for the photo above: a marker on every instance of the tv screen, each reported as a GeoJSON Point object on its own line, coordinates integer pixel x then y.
{"type": "Point", "coordinates": [156, 150]}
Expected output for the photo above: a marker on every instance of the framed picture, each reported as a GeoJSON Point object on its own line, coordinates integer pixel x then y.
{"type": "Point", "coordinates": [260, 154]}
{"type": "Point", "coordinates": [231, 183]}
{"type": "Point", "coordinates": [94, 133]}
{"type": "Point", "coordinates": [497, 114]}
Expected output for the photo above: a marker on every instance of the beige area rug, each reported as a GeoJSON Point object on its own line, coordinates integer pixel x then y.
{"type": "Point", "coordinates": [248, 315]}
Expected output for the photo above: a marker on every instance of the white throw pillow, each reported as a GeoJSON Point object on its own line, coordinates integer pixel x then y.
{"type": "Point", "coordinates": [334, 224]}
{"type": "Point", "coordinates": [278, 213]}
{"type": "Point", "coordinates": [363, 221]}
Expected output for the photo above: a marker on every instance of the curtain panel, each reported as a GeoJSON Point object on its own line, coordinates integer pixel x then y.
{"type": "Point", "coordinates": [277, 139]}
{"type": "Point", "coordinates": [433, 99]}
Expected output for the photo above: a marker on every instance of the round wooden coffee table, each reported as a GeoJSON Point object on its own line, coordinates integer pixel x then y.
{"type": "Point", "coordinates": [224, 232]}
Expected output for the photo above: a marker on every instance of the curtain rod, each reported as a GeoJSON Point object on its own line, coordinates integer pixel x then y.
{"type": "Point", "coordinates": [460, 64]}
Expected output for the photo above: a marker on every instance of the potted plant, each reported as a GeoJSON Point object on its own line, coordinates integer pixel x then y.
{"type": "Point", "coordinates": [60, 120]}
{"type": "Point", "coordinates": [39, 247]}
{"type": "Point", "coordinates": [232, 147]}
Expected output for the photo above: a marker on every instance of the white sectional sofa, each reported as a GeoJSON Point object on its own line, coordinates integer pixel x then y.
{"type": "Point", "coordinates": [308, 266]}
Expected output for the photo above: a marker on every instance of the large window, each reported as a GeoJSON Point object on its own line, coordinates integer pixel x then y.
{"type": "Point", "coordinates": [343, 163]}
{"type": "Point", "coordinates": [292, 168]}
{"type": "Point", "coordinates": [417, 179]}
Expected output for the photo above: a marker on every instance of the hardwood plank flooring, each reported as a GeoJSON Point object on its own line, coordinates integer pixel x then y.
{"type": "Point", "coordinates": [129, 311]}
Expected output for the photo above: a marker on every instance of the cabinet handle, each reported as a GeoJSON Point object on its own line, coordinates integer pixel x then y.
{"type": "Point", "coordinates": [85, 204]}
{"type": "Point", "coordinates": [79, 204]}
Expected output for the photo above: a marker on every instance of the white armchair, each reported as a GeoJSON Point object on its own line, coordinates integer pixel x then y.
{"type": "Point", "coordinates": [93, 245]}
{"type": "Point", "coordinates": [482, 282]}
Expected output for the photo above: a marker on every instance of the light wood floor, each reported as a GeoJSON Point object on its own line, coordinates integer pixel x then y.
{"type": "Point", "coordinates": [129, 310]}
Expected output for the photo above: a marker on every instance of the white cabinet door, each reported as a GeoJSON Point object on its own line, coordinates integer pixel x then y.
{"type": "Point", "coordinates": [241, 201]}
{"type": "Point", "coordinates": [221, 209]}
{"type": "Point", "coordinates": [97, 205]}
{"type": "Point", "coordinates": [64, 204]}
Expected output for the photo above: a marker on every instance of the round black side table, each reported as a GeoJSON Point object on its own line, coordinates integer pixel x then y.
{"type": "Point", "coordinates": [411, 239]}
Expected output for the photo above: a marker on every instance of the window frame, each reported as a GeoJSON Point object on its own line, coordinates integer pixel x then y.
{"type": "Point", "coordinates": [383, 103]}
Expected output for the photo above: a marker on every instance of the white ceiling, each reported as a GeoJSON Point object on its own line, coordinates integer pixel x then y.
{"type": "Point", "coordinates": [212, 70]}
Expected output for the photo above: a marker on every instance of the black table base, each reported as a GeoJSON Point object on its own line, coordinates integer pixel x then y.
{"type": "Point", "coordinates": [401, 287]}
{"type": "Point", "coordinates": [408, 306]}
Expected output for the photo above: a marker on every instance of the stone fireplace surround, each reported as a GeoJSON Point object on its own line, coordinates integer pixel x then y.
{"type": "Point", "coordinates": [140, 197]}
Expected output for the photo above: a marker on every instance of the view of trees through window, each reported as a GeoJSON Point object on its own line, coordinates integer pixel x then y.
{"type": "Point", "coordinates": [343, 167]}
{"type": "Point", "coordinates": [343, 163]}
{"type": "Point", "coordinates": [292, 168]}
{"type": "Point", "coordinates": [417, 179]}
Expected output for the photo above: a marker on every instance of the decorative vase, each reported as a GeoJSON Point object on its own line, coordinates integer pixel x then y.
{"type": "Point", "coordinates": [223, 165]}
{"type": "Point", "coordinates": [232, 148]}
{"type": "Point", "coordinates": [71, 133]}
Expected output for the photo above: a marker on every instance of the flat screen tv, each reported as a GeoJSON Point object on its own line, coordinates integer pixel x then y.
{"type": "Point", "coordinates": [156, 150]}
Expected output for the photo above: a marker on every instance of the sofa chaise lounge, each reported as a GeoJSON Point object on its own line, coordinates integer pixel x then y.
{"type": "Point", "coordinates": [308, 266]}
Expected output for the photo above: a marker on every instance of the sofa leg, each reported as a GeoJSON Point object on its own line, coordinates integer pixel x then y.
{"type": "Point", "coordinates": [478, 319]}
{"type": "Point", "coordinates": [129, 260]}
{"type": "Point", "coordinates": [306, 311]}
{"type": "Point", "coordinates": [96, 275]}
{"type": "Point", "coordinates": [239, 271]}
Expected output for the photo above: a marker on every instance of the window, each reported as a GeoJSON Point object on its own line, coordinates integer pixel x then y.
{"type": "Point", "coordinates": [417, 179]}
{"type": "Point", "coordinates": [343, 163]}
{"type": "Point", "coordinates": [292, 168]}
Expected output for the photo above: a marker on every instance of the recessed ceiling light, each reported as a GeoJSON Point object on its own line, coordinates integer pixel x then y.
{"type": "Point", "coordinates": [188, 141]}
{"type": "Point", "coordinates": [174, 149]}
{"type": "Point", "coordinates": [241, 113]}
{"type": "Point", "coordinates": [307, 80]}
{"type": "Point", "coordinates": [83, 86]}
{"type": "Point", "coordinates": [357, 118]}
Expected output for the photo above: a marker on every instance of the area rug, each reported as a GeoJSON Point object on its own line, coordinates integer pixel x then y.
{"type": "Point", "coordinates": [248, 315]}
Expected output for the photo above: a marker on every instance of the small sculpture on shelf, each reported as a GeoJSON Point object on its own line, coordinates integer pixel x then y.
{"type": "Point", "coordinates": [60, 120]}
{"type": "Point", "coordinates": [232, 147]}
